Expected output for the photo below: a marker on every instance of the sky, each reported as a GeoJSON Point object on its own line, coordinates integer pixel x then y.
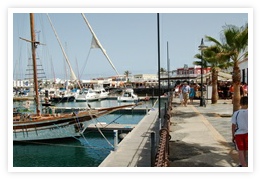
{"type": "Point", "coordinates": [129, 37]}
{"type": "Point", "coordinates": [183, 44]}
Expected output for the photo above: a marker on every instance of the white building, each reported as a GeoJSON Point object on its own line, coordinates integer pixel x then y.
{"type": "Point", "coordinates": [243, 65]}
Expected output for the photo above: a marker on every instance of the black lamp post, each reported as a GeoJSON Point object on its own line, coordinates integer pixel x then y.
{"type": "Point", "coordinates": [201, 47]}
{"type": "Point", "coordinates": [186, 70]}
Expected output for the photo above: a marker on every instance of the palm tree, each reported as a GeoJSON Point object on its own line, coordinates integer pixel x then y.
{"type": "Point", "coordinates": [234, 44]}
{"type": "Point", "coordinates": [211, 58]}
{"type": "Point", "coordinates": [162, 71]}
{"type": "Point", "coordinates": [127, 73]}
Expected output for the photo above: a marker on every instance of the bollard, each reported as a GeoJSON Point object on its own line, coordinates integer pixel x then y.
{"type": "Point", "coordinates": [152, 148]}
{"type": "Point", "coordinates": [115, 139]}
{"type": "Point", "coordinates": [159, 123]}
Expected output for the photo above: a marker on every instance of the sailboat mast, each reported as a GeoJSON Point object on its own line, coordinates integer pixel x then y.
{"type": "Point", "coordinates": [34, 46]}
{"type": "Point", "coordinates": [73, 76]}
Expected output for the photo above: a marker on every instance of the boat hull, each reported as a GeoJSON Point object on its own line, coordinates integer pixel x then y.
{"type": "Point", "coordinates": [121, 99]}
{"type": "Point", "coordinates": [86, 99]}
{"type": "Point", "coordinates": [28, 127]}
{"type": "Point", "coordinates": [54, 128]}
{"type": "Point", "coordinates": [63, 130]}
{"type": "Point", "coordinates": [62, 99]}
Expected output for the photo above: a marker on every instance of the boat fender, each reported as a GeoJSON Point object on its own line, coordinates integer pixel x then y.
{"type": "Point", "coordinates": [122, 135]}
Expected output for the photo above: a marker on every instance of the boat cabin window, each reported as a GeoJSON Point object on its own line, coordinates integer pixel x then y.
{"type": "Point", "coordinates": [126, 94]}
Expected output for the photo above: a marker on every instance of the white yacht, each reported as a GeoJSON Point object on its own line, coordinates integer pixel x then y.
{"type": "Point", "coordinates": [87, 95]}
{"type": "Point", "coordinates": [128, 96]}
{"type": "Point", "coordinates": [103, 94]}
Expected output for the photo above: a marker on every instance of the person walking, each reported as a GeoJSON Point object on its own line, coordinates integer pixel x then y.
{"type": "Point", "coordinates": [192, 93]}
{"type": "Point", "coordinates": [239, 129]}
{"type": "Point", "coordinates": [181, 95]}
{"type": "Point", "coordinates": [185, 93]}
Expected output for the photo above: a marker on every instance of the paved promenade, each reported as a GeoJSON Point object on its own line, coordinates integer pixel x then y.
{"type": "Point", "coordinates": [201, 136]}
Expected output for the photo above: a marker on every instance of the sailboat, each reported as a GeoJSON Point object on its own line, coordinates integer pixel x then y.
{"type": "Point", "coordinates": [46, 124]}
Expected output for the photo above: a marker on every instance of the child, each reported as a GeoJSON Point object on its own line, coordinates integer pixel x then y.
{"type": "Point", "coordinates": [240, 131]}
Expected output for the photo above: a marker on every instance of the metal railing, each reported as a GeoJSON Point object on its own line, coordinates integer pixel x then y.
{"type": "Point", "coordinates": [161, 157]}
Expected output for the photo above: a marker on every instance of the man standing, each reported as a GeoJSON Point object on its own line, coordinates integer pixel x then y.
{"type": "Point", "coordinates": [185, 93]}
{"type": "Point", "coordinates": [240, 131]}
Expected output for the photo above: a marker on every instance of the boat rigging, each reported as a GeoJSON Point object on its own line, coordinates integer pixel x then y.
{"type": "Point", "coordinates": [49, 124]}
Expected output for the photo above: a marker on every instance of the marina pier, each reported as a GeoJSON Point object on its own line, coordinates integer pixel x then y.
{"type": "Point", "coordinates": [135, 149]}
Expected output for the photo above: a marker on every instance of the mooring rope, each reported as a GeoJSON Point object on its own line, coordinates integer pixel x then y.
{"type": "Point", "coordinates": [98, 128]}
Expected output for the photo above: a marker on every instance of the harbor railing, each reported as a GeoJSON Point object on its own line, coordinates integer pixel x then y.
{"type": "Point", "coordinates": [161, 156]}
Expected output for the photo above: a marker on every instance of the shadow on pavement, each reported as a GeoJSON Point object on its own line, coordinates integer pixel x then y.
{"type": "Point", "coordinates": [181, 154]}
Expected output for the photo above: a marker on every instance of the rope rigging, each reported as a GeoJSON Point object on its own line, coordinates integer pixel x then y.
{"type": "Point", "coordinates": [99, 128]}
{"type": "Point", "coordinates": [85, 63]}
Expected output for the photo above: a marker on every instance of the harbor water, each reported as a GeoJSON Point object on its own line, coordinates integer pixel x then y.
{"type": "Point", "coordinates": [87, 151]}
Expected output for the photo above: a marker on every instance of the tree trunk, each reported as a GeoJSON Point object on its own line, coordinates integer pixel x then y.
{"type": "Point", "coordinates": [214, 97]}
{"type": "Point", "coordinates": [236, 83]}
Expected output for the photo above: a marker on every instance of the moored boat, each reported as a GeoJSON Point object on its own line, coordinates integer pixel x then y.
{"type": "Point", "coordinates": [102, 93]}
{"type": "Point", "coordinates": [87, 95]}
{"type": "Point", "coordinates": [128, 96]}
{"type": "Point", "coordinates": [46, 124]}
{"type": "Point", "coordinates": [63, 97]}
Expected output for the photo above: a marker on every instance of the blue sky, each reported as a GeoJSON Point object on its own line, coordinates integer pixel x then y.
{"type": "Point", "coordinates": [130, 39]}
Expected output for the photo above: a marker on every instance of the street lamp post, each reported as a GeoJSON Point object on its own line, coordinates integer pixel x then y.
{"type": "Point", "coordinates": [201, 47]}
{"type": "Point", "coordinates": [186, 70]}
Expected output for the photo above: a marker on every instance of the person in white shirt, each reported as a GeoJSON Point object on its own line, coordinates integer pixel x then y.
{"type": "Point", "coordinates": [185, 93]}
{"type": "Point", "coordinates": [240, 131]}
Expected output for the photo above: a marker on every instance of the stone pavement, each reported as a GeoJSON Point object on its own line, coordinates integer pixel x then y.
{"type": "Point", "coordinates": [201, 136]}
